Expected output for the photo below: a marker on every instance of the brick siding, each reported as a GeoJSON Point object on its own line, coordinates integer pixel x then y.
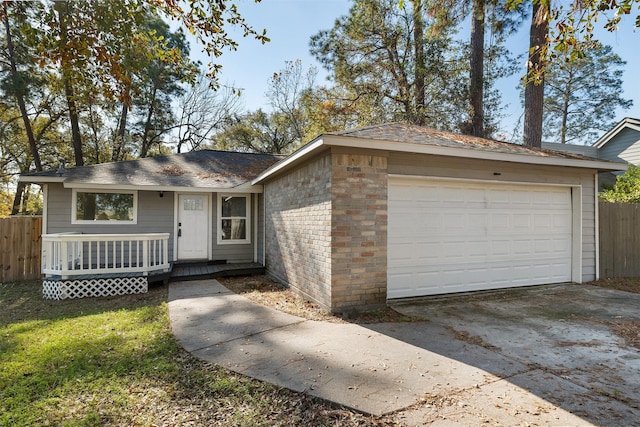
{"type": "Point", "coordinates": [359, 231]}
{"type": "Point", "coordinates": [298, 230]}
{"type": "Point", "coordinates": [326, 230]}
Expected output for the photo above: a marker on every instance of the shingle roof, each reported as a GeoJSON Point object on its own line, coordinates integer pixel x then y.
{"type": "Point", "coordinates": [199, 169]}
{"type": "Point", "coordinates": [404, 132]}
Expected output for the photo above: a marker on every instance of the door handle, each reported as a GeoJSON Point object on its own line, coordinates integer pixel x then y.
{"type": "Point", "coordinates": [179, 232]}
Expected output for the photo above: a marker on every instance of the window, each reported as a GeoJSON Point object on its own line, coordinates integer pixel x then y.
{"type": "Point", "coordinates": [233, 218]}
{"type": "Point", "coordinates": [104, 207]}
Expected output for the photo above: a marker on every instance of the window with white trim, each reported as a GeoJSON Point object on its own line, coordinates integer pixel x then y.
{"type": "Point", "coordinates": [104, 207]}
{"type": "Point", "coordinates": [234, 225]}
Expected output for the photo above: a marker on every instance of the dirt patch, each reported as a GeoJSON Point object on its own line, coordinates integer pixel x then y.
{"type": "Point", "coordinates": [471, 339]}
{"type": "Point", "coordinates": [577, 343]}
{"type": "Point", "coordinates": [265, 291]}
{"type": "Point", "coordinates": [629, 330]}
{"type": "Point", "coordinates": [627, 284]}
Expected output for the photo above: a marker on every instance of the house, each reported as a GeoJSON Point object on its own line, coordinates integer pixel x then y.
{"type": "Point", "coordinates": [107, 227]}
{"type": "Point", "coordinates": [355, 218]}
{"type": "Point", "coordinates": [620, 144]}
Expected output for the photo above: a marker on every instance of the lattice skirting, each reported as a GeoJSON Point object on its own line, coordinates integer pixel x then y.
{"type": "Point", "coordinates": [96, 287]}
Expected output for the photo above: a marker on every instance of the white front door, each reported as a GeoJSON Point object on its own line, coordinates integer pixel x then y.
{"type": "Point", "coordinates": [193, 226]}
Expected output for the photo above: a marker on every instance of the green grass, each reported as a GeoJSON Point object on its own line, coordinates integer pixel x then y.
{"type": "Point", "coordinates": [114, 361]}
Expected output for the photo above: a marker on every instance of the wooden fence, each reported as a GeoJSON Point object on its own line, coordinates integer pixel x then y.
{"type": "Point", "coordinates": [619, 239]}
{"type": "Point", "coordinates": [20, 243]}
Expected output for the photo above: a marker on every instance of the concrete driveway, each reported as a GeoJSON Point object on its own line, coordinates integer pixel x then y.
{"type": "Point", "coordinates": [538, 356]}
{"type": "Point", "coordinates": [564, 341]}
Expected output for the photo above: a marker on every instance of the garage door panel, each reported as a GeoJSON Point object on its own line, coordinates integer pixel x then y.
{"type": "Point", "coordinates": [484, 236]}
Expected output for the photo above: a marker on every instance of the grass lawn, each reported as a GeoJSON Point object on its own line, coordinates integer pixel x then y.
{"type": "Point", "coordinates": [114, 361]}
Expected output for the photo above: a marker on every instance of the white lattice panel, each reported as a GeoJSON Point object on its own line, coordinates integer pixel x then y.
{"type": "Point", "coordinates": [96, 287]}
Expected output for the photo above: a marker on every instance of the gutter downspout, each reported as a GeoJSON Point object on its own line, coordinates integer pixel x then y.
{"type": "Point", "coordinates": [597, 225]}
{"type": "Point", "coordinates": [264, 227]}
{"type": "Point", "coordinates": [45, 209]}
{"type": "Point", "coordinates": [255, 229]}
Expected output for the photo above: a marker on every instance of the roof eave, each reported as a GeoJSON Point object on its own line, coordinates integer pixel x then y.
{"type": "Point", "coordinates": [41, 179]}
{"type": "Point", "coordinates": [388, 145]}
{"type": "Point", "coordinates": [290, 160]}
{"type": "Point", "coordinates": [245, 187]}
{"type": "Point", "coordinates": [627, 122]}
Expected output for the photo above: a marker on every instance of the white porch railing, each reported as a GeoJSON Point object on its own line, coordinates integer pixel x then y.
{"type": "Point", "coordinates": [72, 254]}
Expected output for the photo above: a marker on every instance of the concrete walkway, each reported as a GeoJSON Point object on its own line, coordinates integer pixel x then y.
{"type": "Point", "coordinates": [361, 367]}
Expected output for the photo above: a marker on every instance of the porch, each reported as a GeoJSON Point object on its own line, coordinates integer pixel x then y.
{"type": "Point", "coordinates": [79, 265]}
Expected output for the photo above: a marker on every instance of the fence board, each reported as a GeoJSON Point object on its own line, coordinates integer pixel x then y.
{"type": "Point", "coordinates": [20, 247]}
{"type": "Point", "coordinates": [619, 239]}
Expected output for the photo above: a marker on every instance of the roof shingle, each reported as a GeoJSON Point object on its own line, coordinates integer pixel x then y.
{"type": "Point", "coordinates": [199, 169]}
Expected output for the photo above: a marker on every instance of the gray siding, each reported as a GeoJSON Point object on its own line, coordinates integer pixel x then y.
{"type": "Point", "coordinates": [624, 146]}
{"type": "Point", "coordinates": [231, 253]}
{"type": "Point", "coordinates": [411, 164]}
{"type": "Point", "coordinates": [155, 215]}
{"type": "Point", "coordinates": [260, 241]}
{"type": "Point", "coordinates": [588, 229]}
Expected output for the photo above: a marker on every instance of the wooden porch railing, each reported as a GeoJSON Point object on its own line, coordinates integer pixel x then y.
{"type": "Point", "coordinates": [72, 254]}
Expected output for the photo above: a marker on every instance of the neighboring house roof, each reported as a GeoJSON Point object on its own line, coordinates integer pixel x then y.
{"type": "Point", "coordinates": [403, 137]}
{"type": "Point", "coordinates": [626, 123]}
{"type": "Point", "coordinates": [585, 150]}
{"type": "Point", "coordinates": [203, 169]}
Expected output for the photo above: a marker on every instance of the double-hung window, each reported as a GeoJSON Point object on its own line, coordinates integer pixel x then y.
{"type": "Point", "coordinates": [233, 218]}
{"type": "Point", "coordinates": [104, 207]}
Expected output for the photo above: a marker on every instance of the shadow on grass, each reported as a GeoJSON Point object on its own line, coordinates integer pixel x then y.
{"type": "Point", "coordinates": [23, 301]}
{"type": "Point", "coordinates": [114, 361]}
{"type": "Point", "coordinates": [53, 349]}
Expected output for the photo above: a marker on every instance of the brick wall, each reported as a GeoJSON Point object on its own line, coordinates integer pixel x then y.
{"type": "Point", "coordinates": [326, 230]}
{"type": "Point", "coordinates": [298, 229]}
{"type": "Point", "coordinates": [359, 231]}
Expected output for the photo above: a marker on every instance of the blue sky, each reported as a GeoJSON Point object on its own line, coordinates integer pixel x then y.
{"type": "Point", "coordinates": [291, 23]}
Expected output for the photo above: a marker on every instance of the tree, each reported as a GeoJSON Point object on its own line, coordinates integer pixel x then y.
{"type": "Point", "coordinates": [159, 84]}
{"type": "Point", "coordinates": [91, 40]}
{"type": "Point", "coordinates": [476, 70]}
{"type": "Point", "coordinates": [286, 91]}
{"type": "Point", "coordinates": [258, 132]}
{"type": "Point", "coordinates": [375, 55]}
{"type": "Point", "coordinates": [626, 189]}
{"type": "Point", "coordinates": [534, 80]}
{"type": "Point", "coordinates": [17, 81]}
{"type": "Point", "coordinates": [582, 95]}
{"type": "Point", "coordinates": [574, 28]}
{"type": "Point", "coordinates": [201, 111]}
{"type": "Point", "coordinates": [399, 61]}
{"type": "Point", "coordinates": [573, 35]}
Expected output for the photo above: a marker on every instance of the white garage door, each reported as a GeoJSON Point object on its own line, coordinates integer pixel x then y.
{"type": "Point", "coordinates": [449, 236]}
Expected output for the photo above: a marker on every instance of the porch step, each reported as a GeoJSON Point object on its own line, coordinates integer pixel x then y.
{"type": "Point", "coordinates": [199, 271]}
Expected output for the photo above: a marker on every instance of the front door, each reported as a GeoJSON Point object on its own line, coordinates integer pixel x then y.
{"type": "Point", "coordinates": [193, 226]}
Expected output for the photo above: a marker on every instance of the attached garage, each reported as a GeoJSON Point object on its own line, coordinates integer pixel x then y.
{"type": "Point", "coordinates": [356, 218]}
{"type": "Point", "coordinates": [452, 235]}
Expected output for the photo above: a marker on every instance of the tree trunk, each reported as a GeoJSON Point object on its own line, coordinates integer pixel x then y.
{"type": "Point", "coordinates": [118, 144]}
{"type": "Point", "coordinates": [476, 71]}
{"type": "Point", "coordinates": [17, 200]}
{"type": "Point", "coordinates": [534, 89]}
{"type": "Point", "coordinates": [565, 111]}
{"type": "Point", "coordinates": [18, 92]}
{"type": "Point", "coordinates": [76, 138]}
{"type": "Point", "coordinates": [144, 147]}
{"type": "Point", "coordinates": [420, 69]}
